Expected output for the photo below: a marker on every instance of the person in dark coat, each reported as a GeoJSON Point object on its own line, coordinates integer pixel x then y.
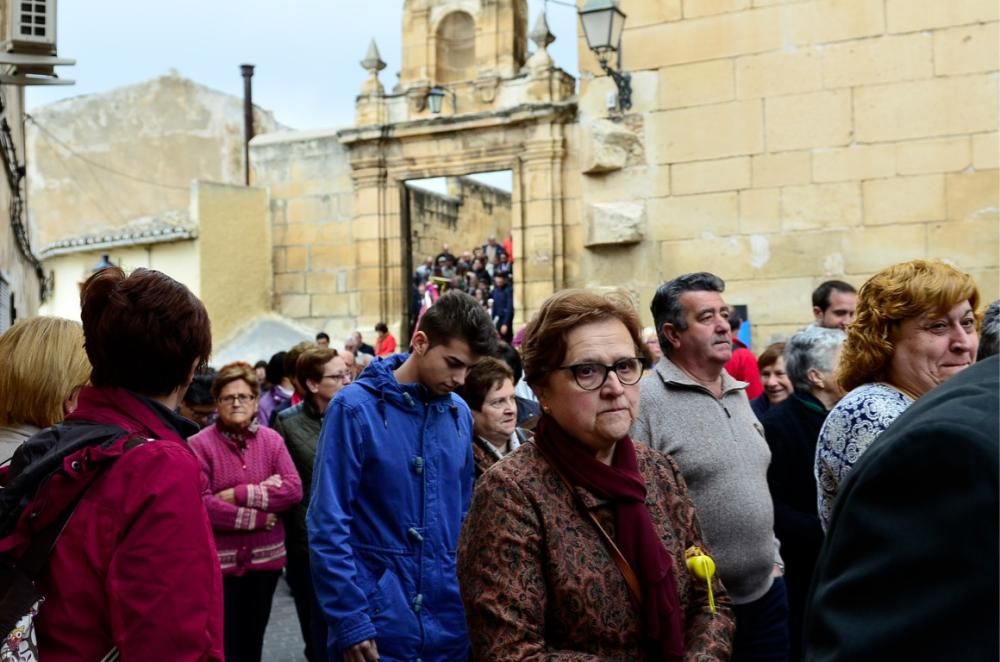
{"type": "Point", "coordinates": [774, 379]}
{"type": "Point", "coordinates": [322, 373]}
{"type": "Point", "coordinates": [503, 307]}
{"type": "Point", "coordinates": [909, 567]}
{"type": "Point", "coordinates": [791, 429]}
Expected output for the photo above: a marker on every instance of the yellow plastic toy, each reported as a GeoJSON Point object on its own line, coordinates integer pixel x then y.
{"type": "Point", "coordinates": [702, 566]}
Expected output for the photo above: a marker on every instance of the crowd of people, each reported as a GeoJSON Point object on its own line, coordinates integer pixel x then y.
{"type": "Point", "coordinates": [594, 490]}
{"type": "Point", "coordinates": [486, 273]}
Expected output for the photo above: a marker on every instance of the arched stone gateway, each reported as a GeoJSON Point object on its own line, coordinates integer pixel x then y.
{"type": "Point", "coordinates": [499, 113]}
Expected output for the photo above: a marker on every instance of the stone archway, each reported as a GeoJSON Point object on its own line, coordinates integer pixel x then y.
{"type": "Point", "coordinates": [513, 115]}
{"type": "Point", "coordinates": [529, 140]}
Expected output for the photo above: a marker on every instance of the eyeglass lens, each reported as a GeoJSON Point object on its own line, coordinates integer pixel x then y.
{"type": "Point", "coordinates": [591, 376]}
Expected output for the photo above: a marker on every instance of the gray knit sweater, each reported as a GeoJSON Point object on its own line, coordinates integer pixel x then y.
{"type": "Point", "coordinates": [720, 447]}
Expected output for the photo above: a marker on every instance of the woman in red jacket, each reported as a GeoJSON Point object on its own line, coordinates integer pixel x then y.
{"type": "Point", "coordinates": [248, 479]}
{"type": "Point", "coordinates": [134, 570]}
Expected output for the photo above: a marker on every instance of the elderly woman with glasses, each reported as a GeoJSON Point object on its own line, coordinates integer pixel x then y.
{"type": "Point", "coordinates": [791, 428]}
{"type": "Point", "coordinates": [322, 373]}
{"type": "Point", "coordinates": [248, 479]}
{"type": "Point", "coordinates": [575, 545]}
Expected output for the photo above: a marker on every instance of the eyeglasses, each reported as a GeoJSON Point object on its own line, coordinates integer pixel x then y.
{"type": "Point", "coordinates": [591, 376]}
{"type": "Point", "coordinates": [336, 376]}
{"type": "Point", "coordinates": [242, 398]}
{"type": "Point", "coordinates": [503, 403]}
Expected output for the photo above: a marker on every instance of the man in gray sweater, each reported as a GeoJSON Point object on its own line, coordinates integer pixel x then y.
{"type": "Point", "coordinates": [694, 410]}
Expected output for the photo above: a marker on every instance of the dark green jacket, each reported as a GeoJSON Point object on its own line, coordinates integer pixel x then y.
{"type": "Point", "coordinates": [299, 426]}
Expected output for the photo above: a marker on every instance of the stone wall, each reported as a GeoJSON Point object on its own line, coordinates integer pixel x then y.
{"type": "Point", "coordinates": [99, 161]}
{"type": "Point", "coordinates": [463, 219]}
{"type": "Point", "coordinates": [234, 254]}
{"type": "Point", "coordinates": [15, 269]}
{"type": "Point", "coordinates": [315, 249]}
{"type": "Point", "coordinates": [779, 144]}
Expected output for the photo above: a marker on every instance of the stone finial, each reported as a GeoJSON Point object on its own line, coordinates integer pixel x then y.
{"type": "Point", "coordinates": [541, 34]}
{"type": "Point", "coordinates": [373, 62]}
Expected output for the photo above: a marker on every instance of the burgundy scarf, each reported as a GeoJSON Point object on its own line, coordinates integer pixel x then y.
{"type": "Point", "coordinates": [623, 485]}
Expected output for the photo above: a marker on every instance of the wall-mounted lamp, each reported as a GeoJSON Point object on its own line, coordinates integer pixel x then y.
{"type": "Point", "coordinates": [436, 96]}
{"type": "Point", "coordinates": [602, 23]}
{"type": "Point", "coordinates": [102, 264]}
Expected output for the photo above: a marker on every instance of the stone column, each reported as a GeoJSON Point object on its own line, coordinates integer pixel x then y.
{"type": "Point", "coordinates": [538, 190]}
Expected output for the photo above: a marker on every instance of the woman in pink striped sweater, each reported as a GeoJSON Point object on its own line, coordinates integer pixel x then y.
{"type": "Point", "coordinates": [248, 478]}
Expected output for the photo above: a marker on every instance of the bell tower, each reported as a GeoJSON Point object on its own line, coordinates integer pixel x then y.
{"type": "Point", "coordinates": [470, 46]}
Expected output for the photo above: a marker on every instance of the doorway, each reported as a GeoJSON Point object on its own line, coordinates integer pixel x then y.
{"type": "Point", "coordinates": [458, 233]}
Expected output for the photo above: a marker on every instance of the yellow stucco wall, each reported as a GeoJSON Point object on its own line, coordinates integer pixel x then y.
{"type": "Point", "coordinates": [234, 254]}
{"type": "Point", "coordinates": [228, 265]}
{"type": "Point", "coordinates": [779, 144]}
{"type": "Point", "coordinates": [179, 260]}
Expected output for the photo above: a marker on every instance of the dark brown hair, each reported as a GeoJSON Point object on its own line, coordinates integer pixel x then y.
{"type": "Point", "coordinates": [544, 345]}
{"type": "Point", "coordinates": [457, 316]}
{"type": "Point", "coordinates": [142, 332]}
{"type": "Point", "coordinates": [488, 373]}
{"type": "Point", "coordinates": [311, 362]}
{"type": "Point", "coordinates": [292, 356]}
{"type": "Point", "coordinates": [770, 355]}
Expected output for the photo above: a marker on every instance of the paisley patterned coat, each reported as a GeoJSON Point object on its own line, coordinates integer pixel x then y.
{"type": "Point", "coordinates": [539, 584]}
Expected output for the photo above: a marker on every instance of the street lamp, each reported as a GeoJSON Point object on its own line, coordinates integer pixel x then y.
{"type": "Point", "coordinates": [102, 264]}
{"type": "Point", "coordinates": [436, 96]}
{"type": "Point", "coordinates": [602, 23]}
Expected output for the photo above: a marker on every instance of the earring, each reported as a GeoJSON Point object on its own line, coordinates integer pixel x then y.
{"type": "Point", "coordinates": [546, 409]}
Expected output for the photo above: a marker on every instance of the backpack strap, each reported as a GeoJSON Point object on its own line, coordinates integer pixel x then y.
{"type": "Point", "coordinates": [33, 561]}
{"type": "Point", "coordinates": [18, 579]}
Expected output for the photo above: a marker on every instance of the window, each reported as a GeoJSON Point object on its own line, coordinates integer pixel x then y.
{"type": "Point", "coordinates": [34, 20]}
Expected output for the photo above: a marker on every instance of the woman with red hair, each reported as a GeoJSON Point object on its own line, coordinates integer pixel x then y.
{"type": "Point", "coordinates": [916, 327]}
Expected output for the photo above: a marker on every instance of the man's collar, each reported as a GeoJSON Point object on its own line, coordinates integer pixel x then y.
{"type": "Point", "coordinates": [670, 373]}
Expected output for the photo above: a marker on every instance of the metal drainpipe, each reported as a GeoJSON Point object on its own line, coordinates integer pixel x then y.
{"type": "Point", "coordinates": [247, 71]}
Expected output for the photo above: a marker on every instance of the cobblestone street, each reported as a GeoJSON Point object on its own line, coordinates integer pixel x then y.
{"type": "Point", "coordinates": [283, 641]}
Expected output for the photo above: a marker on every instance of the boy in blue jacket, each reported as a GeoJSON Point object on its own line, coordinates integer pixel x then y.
{"type": "Point", "coordinates": [391, 485]}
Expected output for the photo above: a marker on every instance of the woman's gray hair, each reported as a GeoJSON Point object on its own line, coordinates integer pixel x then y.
{"type": "Point", "coordinates": [812, 348]}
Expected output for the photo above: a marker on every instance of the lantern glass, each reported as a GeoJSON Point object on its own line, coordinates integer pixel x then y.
{"type": "Point", "coordinates": [434, 99]}
{"type": "Point", "coordinates": [602, 23]}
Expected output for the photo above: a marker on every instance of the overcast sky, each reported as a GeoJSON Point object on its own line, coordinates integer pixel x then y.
{"type": "Point", "coordinates": [306, 52]}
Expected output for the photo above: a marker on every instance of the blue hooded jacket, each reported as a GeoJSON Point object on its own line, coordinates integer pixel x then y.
{"type": "Point", "coordinates": [391, 486]}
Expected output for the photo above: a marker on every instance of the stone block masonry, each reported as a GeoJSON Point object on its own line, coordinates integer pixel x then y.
{"type": "Point", "coordinates": [811, 139]}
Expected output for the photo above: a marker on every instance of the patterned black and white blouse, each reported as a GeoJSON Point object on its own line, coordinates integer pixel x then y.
{"type": "Point", "coordinates": [852, 425]}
